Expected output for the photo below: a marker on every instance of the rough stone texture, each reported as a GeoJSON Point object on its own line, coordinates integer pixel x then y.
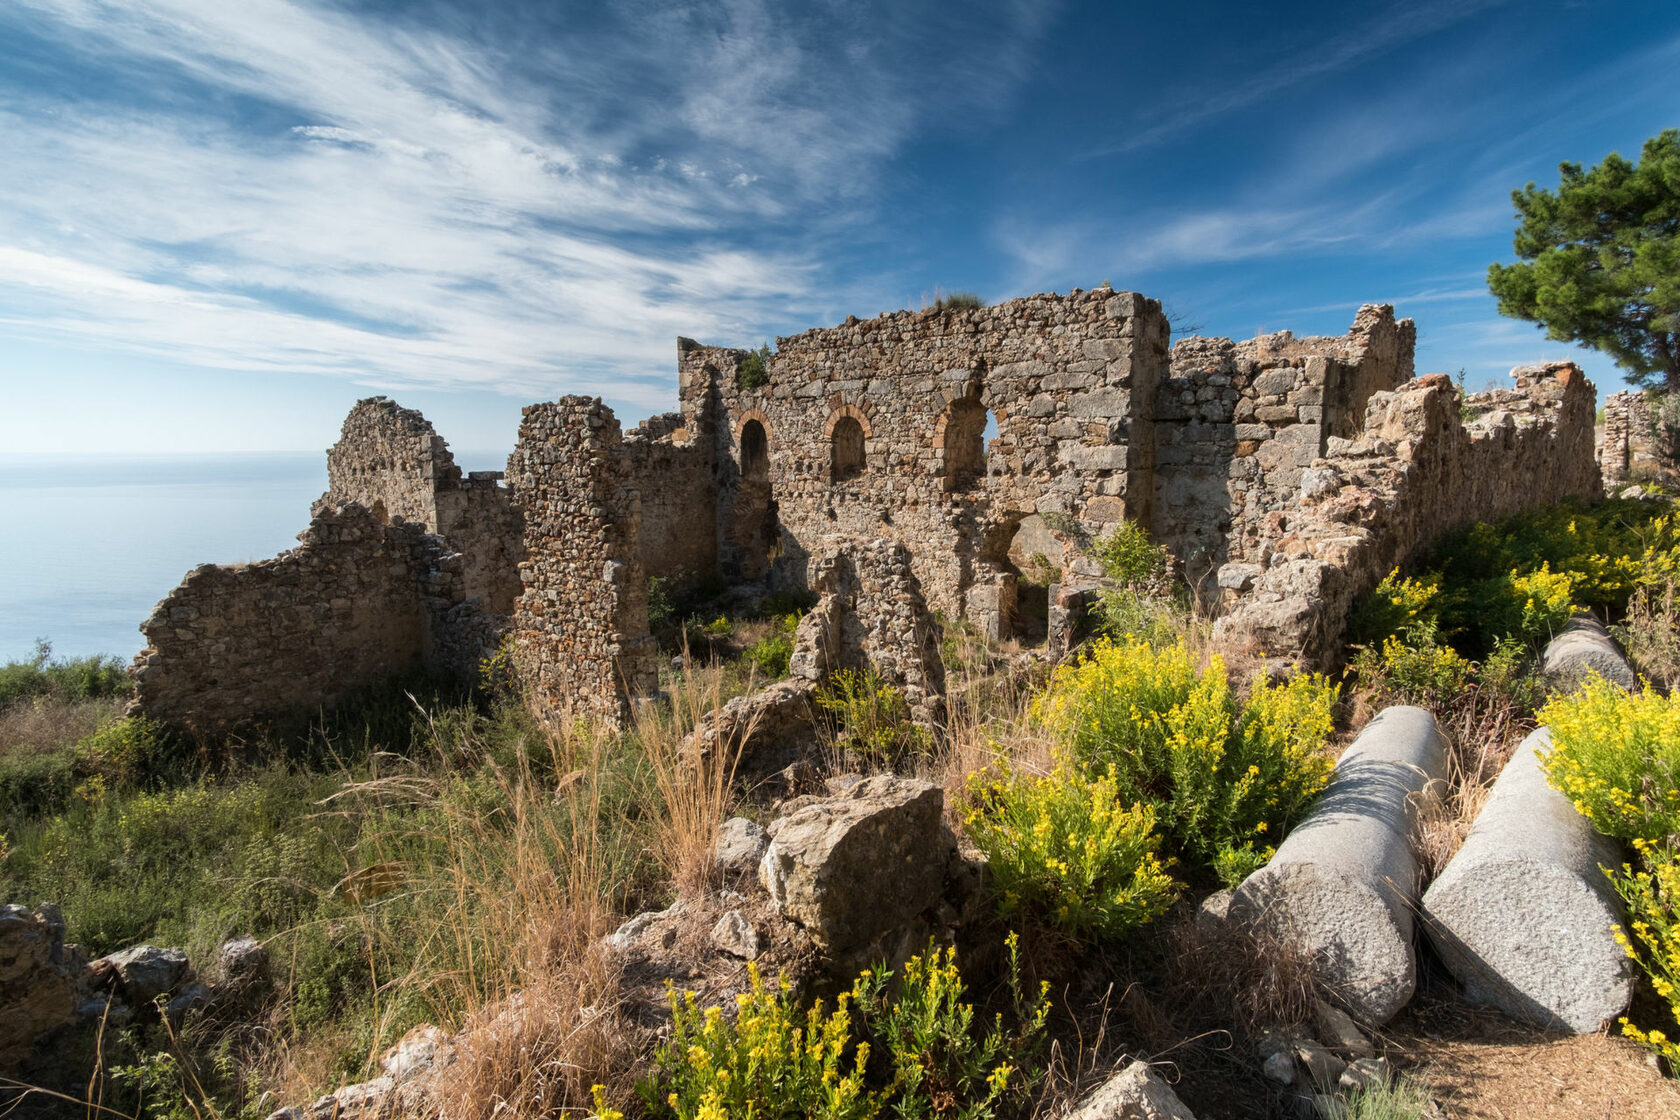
{"type": "Point", "coordinates": [1523, 915]}
{"type": "Point", "coordinates": [852, 867]}
{"type": "Point", "coordinates": [580, 627]}
{"type": "Point", "coordinates": [359, 600]}
{"type": "Point", "coordinates": [1584, 648]}
{"type": "Point", "coordinates": [403, 1089]}
{"type": "Point", "coordinates": [1343, 885]}
{"type": "Point", "coordinates": [38, 981]}
{"type": "Point", "coordinates": [1631, 447]}
{"type": "Point", "coordinates": [145, 972]}
{"type": "Point", "coordinates": [739, 846]}
{"type": "Point", "coordinates": [759, 730]}
{"type": "Point", "coordinates": [1414, 472]}
{"type": "Point", "coordinates": [1135, 1093]}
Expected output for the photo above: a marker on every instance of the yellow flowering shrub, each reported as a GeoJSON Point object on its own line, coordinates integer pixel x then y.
{"type": "Point", "coordinates": [1617, 757]}
{"type": "Point", "coordinates": [1225, 779]}
{"type": "Point", "coordinates": [1653, 914]}
{"type": "Point", "coordinates": [773, 1061]}
{"type": "Point", "coordinates": [770, 1061]}
{"type": "Point", "coordinates": [873, 716]}
{"type": "Point", "coordinates": [1064, 849]}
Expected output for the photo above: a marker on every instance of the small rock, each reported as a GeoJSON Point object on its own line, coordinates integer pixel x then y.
{"type": "Point", "coordinates": [1280, 1067]}
{"type": "Point", "coordinates": [1135, 1093]}
{"type": "Point", "coordinates": [195, 998]}
{"type": "Point", "coordinates": [147, 971]}
{"type": "Point", "coordinates": [736, 936]}
{"type": "Point", "coordinates": [105, 1008]}
{"type": "Point", "coordinates": [422, 1049]}
{"type": "Point", "coordinates": [739, 846]}
{"type": "Point", "coordinates": [1212, 916]}
{"type": "Point", "coordinates": [1365, 1073]}
{"type": "Point", "coordinates": [1339, 1030]}
{"type": "Point", "coordinates": [1322, 1066]}
{"type": "Point", "coordinates": [241, 961]}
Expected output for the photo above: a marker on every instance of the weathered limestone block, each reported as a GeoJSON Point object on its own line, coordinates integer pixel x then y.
{"type": "Point", "coordinates": [1523, 915]}
{"type": "Point", "coordinates": [146, 971]}
{"type": "Point", "coordinates": [779, 717]}
{"type": "Point", "coordinates": [1135, 1093]}
{"type": "Point", "coordinates": [1584, 648]}
{"type": "Point", "coordinates": [852, 867]}
{"type": "Point", "coordinates": [1343, 885]}
{"type": "Point", "coordinates": [38, 980]}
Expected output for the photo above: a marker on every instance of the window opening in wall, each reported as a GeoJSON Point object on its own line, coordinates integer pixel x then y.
{"type": "Point", "coordinates": [966, 424]}
{"type": "Point", "coordinates": [1031, 555]}
{"type": "Point", "coordinates": [846, 449]}
{"type": "Point", "coordinates": [755, 451]}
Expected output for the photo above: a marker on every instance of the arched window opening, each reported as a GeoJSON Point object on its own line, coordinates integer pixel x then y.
{"type": "Point", "coordinates": [755, 451]}
{"type": "Point", "coordinates": [966, 423]}
{"type": "Point", "coordinates": [846, 449]}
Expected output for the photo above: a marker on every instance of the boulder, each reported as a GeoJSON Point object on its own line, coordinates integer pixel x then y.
{"type": "Point", "coordinates": [145, 972]}
{"type": "Point", "coordinates": [1343, 885]}
{"type": "Point", "coordinates": [1523, 916]}
{"type": "Point", "coordinates": [739, 846]}
{"type": "Point", "coordinates": [852, 867]}
{"type": "Point", "coordinates": [1135, 1093]}
{"type": "Point", "coordinates": [1582, 649]}
{"type": "Point", "coordinates": [38, 979]}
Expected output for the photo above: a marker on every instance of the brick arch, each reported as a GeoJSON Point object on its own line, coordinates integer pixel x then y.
{"type": "Point", "coordinates": [840, 412]}
{"type": "Point", "coordinates": [753, 414]}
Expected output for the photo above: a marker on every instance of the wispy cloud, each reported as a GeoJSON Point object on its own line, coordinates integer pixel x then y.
{"type": "Point", "coordinates": [284, 186]}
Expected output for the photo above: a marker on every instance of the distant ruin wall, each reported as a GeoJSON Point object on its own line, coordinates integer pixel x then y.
{"type": "Point", "coordinates": [1632, 447]}
{"type": "Point", "coordinates": [875, 429]}
{"type": "Point", "coordinates": [390, 458]}
{"type": "Point", "coordinates": [678, 497]}
{"type": "Point", "coordinates": [349, 606]}
{"type": "Point", "coordinates": [1416, 472]}
{"type": "Point", "coordinates": [580, 627]}
{"type": "Point", "coordinates": [1237, 423]}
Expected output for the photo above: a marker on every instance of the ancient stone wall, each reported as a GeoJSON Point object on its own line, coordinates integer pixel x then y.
{"type": "Point", "coordinates": [674, 481]}
{"type": "Point", "coordinates": [359, 600]}
{"type": "Point", "coordinates": [389, 458]}
{"type": "Point", "coordinates": [580, 627]}
{"type": "Point", "coordinates": [1632, 445]}
{"type": "Point", "coordinates": [1237, 422]}
{"type": "Point", "coordinates": [877, 430]}
{"type": "Point", "coordinates": [1416, 472]}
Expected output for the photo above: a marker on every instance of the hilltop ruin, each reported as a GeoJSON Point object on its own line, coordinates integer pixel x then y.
{"type": "Point", "coordinates": [944, 462]}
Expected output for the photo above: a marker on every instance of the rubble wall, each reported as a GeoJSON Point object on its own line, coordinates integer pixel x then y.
{"type": "Point", "coordinates": [1416, 472]}
{"type": "Point", "coordinates": [344, 609]}
{"type": "Point", "coordinates": [580, 628]}
{"type": "Point", "coordinates": [1631, 447]}
{"type": "Point", "coordinates": [672, 476]}
{"type": "Point", "coordinates": [1068, 381]}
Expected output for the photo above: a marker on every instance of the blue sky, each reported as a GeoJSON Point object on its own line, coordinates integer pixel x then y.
{"type": "Point", "coordinates": [221, 223]}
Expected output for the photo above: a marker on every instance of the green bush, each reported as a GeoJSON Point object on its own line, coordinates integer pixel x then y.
{"type": "Point", "coordinates": [76, 678]}
{"type": "Point", "coordinates": [1617, 757]}
{"type": "Point", "coordinates": [1136, 602]}
{"type": "Point", "coordinates": [1653, 914]}
{"type": "Point", "coordinates": [771, 653]}
{"type": "Point", "coordinates": [1063, 849]}
{"type": "Point", "coordinates": [874, 717]}
{"type": "Point", "coordinates": [1224, 779]}
{"type": "Point", "coordinates": [958, 301]}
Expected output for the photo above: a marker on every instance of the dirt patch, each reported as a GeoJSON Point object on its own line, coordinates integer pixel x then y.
{"type": "Point", "coordinates": [1480, 1065]}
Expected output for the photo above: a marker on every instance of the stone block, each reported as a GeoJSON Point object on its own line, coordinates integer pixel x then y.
{"type": "Point", "coordinates": [1106, 458]}
{"type": "Point", "coordinates": [1523, 915]}
{"type": "Point", "coordinates": [1584, 648]}
{"type": "Point", "coordinates": [1344, 884]}
{"type": "Point", "coordinates": [1135, 1093]}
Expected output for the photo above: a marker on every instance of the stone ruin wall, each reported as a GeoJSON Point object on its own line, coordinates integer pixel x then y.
{"type": "Point", "coordinates": [672, 475]}
{"type": "Point", "coordinates": [1631, 447]}
{"type": "Point", "coordinates": [1416, 472]}
{"type": "Point", "coordinates": [580, 627]}
{"type": "Point", "coordinates": [1068, 380]}
{"type": "Point", "coordinates": [359, 600]}
{"type": "Point", "coordinates": [1237, 423]}
{"type": "Point", "coordinates": [389, 458]}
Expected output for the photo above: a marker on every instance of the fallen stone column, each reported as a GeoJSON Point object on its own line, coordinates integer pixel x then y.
{"type": "Point", "coordinates": [1585, 647]}
{"type": "Point", "coordinates": [1523, 916]}
{"type": "Point", "coordinates": [1344, 883]}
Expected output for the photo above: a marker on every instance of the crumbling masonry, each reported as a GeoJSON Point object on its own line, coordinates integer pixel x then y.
{"type": "Point", "coordinates": [953, 463]}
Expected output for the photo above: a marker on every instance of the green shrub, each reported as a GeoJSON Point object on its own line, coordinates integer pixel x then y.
{"type": "Point", "coordinates": [1131, 559]}
{"type": "Point", "coordinates": [1617, 757]}
{"type": "Point", "coordinates": [1222, 778]}
{"type": "Point", "coordinates": [958, 301]}
{"type": "Point", "coordinates": [1420, 671]}
{"type": "Point", "coordinates": [33, 785]}
{"type": "Point", "coordinates": [76, 678]}
{"type": "Point", "coordinates": [1396, 607]}
{"type": "Point", "coordinates": [771, 653]}
{"type": "Point", "coordinates": [1063, 849]}
{"type": "Point", "coordinates": [754, 370]}
{"type": "Point", "coordinates": [1136, 603]}
{"type": "Point", "coordinates": [124, 752]}
{"type": "Point", "coordinates": [874, 717]}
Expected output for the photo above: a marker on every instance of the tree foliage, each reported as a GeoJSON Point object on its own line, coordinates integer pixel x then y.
{"type": "Point", "coordinates": [1600, 260]}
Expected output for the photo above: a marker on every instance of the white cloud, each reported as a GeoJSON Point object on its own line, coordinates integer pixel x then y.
{"type": "Point", "coordinates": [290, 187]}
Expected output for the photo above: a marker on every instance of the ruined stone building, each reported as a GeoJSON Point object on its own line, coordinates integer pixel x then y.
{"type": "Point", "coordinates": [944, 462]}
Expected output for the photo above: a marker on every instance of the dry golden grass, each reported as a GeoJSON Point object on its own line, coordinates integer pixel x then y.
{"type": "Point", "coordinates": [49, 723]}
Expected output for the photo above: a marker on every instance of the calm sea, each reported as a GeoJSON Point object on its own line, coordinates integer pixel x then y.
{"type": "Point", "coordinates": [89, 545]}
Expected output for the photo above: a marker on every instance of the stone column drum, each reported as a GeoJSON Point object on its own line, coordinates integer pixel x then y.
{"type": "Point", "coordinates": [1523, 915]}
{"type": "Point", "coordinates": [1344, 883]}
